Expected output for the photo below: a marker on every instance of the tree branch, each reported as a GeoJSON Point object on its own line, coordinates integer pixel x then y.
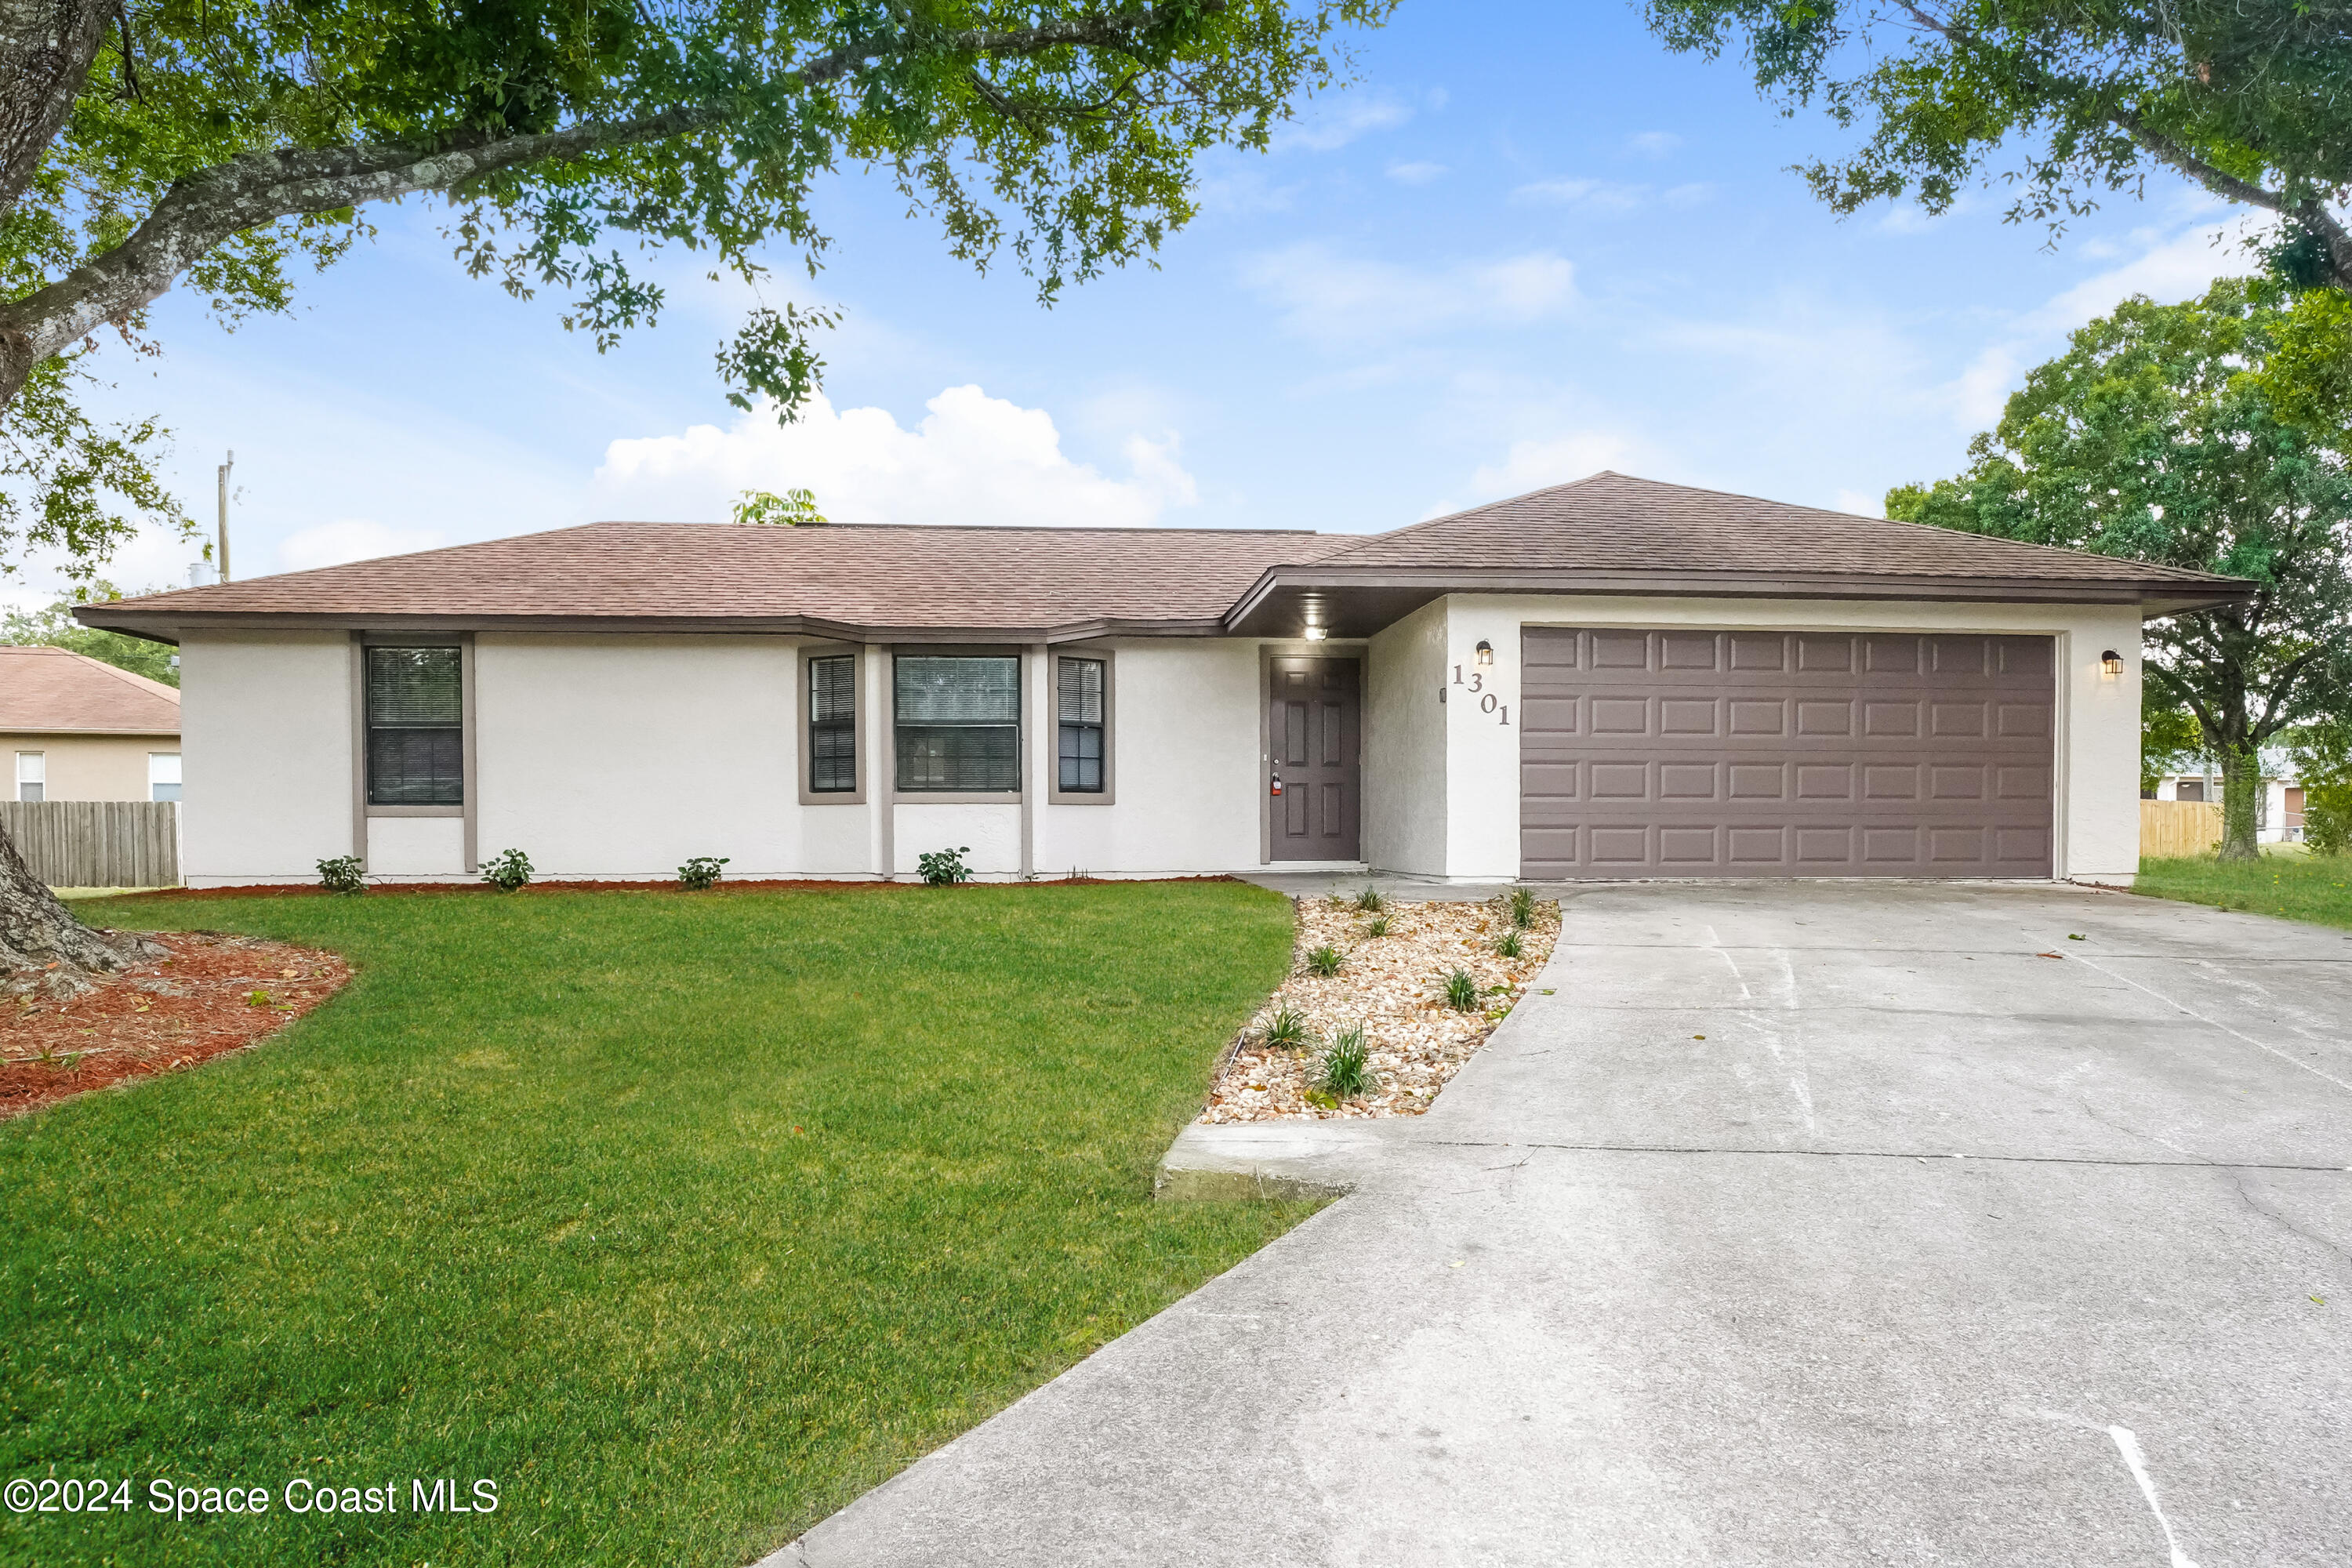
{"type": "Point", "coordinates": [46, 48]}
{"type": "Point", "coordinates": [201, 210]}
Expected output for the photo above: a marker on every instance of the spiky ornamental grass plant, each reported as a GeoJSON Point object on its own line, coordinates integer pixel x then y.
{"type": "Point", "coordinates": [1460, 991]}
{"type": "Point", "coordinates": [1343, 1070]}
{"type": "Point", "coordinates": [1325, 961]}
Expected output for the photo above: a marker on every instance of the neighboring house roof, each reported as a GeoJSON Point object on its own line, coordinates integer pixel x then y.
{"type": "Point", "coordinates": [1609, 533]}
{"type": "Point", "coordinates": [49, 691]}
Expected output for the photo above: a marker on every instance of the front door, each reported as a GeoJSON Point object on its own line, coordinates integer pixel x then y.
{"type": "Point", "coordinates": [1313, 718]}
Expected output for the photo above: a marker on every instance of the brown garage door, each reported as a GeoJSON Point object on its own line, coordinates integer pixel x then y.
{"type": "Point", "coordinates": [1697, 754]}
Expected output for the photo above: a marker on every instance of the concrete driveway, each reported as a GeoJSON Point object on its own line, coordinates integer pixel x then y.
{"type": "Point", "coordinates": [1931, 1250]}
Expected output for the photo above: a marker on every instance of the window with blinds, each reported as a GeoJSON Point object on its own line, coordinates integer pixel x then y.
{"type": "Point", "coordinates": [415, 727]}
{"type": "Point", "coordinates": [1079, 702]}
{"type": "Point", "coordinates": [957, 719]}
{"type": "Point", "coordinates": [832, 724]}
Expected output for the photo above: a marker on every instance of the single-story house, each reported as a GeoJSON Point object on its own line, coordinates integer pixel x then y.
{"type": "Point", "coordinates": [74, 728]}
{"type": "Point", "coordinates": [1608, 678]}
{"type": "Point", "coordinates": [2278, 810]}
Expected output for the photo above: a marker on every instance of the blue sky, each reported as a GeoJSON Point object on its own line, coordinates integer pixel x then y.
{"type": "Point", "coordinates": [1526, 245]}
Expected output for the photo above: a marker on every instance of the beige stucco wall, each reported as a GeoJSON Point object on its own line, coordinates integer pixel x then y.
{"type": "Point", "coordinates": [84, 767]}
{"type": "Point", "coordinates": [621, 756]}
{"type": "Point", "coordinates": [1405, 745]}
{"type": "Point", "coordinates": [2097, 777]}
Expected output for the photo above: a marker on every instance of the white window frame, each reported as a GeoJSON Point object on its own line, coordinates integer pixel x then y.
{"type": "Point", "coordinates": [36, 774]}
{"type": "Point", "coordinates": [153, 758]}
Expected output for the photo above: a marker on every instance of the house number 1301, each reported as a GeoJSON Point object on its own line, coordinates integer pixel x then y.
{"type": "Point", "coordinates": [1488, 702]}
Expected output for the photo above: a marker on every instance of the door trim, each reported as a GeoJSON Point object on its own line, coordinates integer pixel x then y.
{"type": "Point", "coordinates": [1354, 650]}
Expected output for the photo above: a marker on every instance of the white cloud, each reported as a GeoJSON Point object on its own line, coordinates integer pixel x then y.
{"type": "Point", "coordinates": [1653, 144]}
{"type": "Point", "coordinates": [1699, 193]}
{"type": "Point", "coordinates": [1860, 505]}
{"type": "Point", "coordinates": [1603, 195]}
{"type": "Point", "coordinates": [1348, 300]}
{"type": "Point", "coordinates": [347, 538]}
{"type": "Point", "coordinates": [1348, 117]}
{"type": "Point", "coordinates": [972, 459]}
{"type": "Point", "coordinates": [1420, 173]}
{"type": "Point", "coordinates": [2168, 271]}
{"type": "Point", "coordinates": [1245, 190]}
{"type": "Point", "coordinates": [1532, 465]}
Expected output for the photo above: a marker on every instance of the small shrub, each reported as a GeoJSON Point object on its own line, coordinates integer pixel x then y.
{"type": "Point", "coordinates": [1523, 907]}
{"type": "Point", "coordinates": [1371, 901]}
{"type": "Point", "coordinates": [256, 999]}
{"type": "Point", "coordinates": [1511, 946]}
{"type": "Point", "coordinates": [1460, 991]}
{"type": "Point", "coordinates": [944, 867]}
{"type": "Point", "coordinates": [1341, 1071]}
{"type": "Point", "coordinates": [1379, 926]}
{"type": "Point", "coordinates": [1287, 1029]}
{"type": "Point", "coordinates": [344, 873]}
{"type": "Point", "coordinates": [1323, 959]}
{"type": "Point", "coordinates": [698, 874]}
{"type": "Point", "coordinates": [507, 871]}
{"type": "Point", "coordinates": [2327, 818]}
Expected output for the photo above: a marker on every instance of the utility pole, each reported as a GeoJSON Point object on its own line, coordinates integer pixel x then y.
{"type": "Point", "coordinates": [224, 470]}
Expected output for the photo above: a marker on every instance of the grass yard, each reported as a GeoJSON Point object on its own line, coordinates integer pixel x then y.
{"type": "Point", "coordinates": [2315, 888]}
{"type": "Point", "coordinates": [684, 1218]}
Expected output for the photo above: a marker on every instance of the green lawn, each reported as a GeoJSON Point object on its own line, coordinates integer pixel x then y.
{"type": "Point", "coordinates": [685, 1218]}
{"type": "Point", "coordinates": [2316, 888]}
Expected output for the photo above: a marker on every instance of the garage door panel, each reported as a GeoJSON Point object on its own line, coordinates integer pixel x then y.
{"type": "Point", "coordinates": [1684, 753]}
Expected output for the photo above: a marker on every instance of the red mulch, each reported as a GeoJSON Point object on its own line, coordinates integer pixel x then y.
{"type": "Point", "coordinates": [306, 890]}
{"type": "Point", "coordinates": [159, 1017]}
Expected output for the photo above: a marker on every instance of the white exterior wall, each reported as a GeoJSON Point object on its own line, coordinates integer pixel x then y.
{"type": "Point", "coordinates": [1405, 732]}
{"type": "Point", "coordinates": [2097, 775]}
{"type": "Point", "coordinates": [1187, 764]}
{"type": "Point", "coordinates": [622, 756]}
{"type": "Point", "coordinates": [266, 755]}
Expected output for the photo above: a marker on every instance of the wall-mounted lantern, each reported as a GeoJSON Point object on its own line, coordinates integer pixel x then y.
{"type": "Point", "coordinates": [1485, 651]}
{"type": "Point", "coordinates": [2111, 663]}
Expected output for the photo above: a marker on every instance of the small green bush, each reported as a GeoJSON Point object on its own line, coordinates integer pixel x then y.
{"type": "Point", "coordinates": [1523, 907]}
{"type": "Point", "coordinates": [344, 873]}
{"type": "Point", "coordinates": [1287, 1029]}
{"type": "Point", "coordinates": [1460, 991]}
{"type": "Point", "coordinates": [2327, 818]}
{"type": "Point", "coordinates": [1511, 946]}
{"type": "Point", "coordinates": [1377, 926]}
{"type": "Point", "coordinates": [1371, 901]}
{"type": "Point", "coordinates": [698, 874]}
{"type": "Point", "coordinates": [1341, 1071]}
{"type": "Point", "coordinates": [1325, 960]}
{"type": "Point", "coordinates": [507, 871]}
{"type": "Point", "coordinates": [944, 867]}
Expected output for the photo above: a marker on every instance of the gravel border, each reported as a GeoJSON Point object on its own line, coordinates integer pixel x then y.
{"type": "Point", "coordinates": [1394, 985]}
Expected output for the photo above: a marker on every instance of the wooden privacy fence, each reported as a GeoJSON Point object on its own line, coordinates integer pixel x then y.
{"type": "Point", "coordinates": [96, 843]}
{"type": "Point", "coordinates": [2170, 829]}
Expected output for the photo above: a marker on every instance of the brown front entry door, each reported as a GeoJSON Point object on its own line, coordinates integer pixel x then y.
{"type": "Point", "coordinates": [1314, 715]}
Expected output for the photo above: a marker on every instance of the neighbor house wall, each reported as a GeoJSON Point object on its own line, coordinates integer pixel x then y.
{"type": "Point", "coordinates": [2096, 780]}
{"type": "Point", "coordinates": [266, 755]}
{"type": "Point", "coordinates": [1405, 768]}
{"type": "Point", "coordinates": [83, 766]}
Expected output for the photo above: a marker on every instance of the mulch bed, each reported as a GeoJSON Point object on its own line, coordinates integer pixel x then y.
{"type": "Point", "coordinates": [212, 993]}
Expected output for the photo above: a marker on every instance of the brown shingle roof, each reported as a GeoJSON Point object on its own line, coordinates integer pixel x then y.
{"type": "Point", "coordinates": [1609, 533]}
{"type": "Point", "coordinates": [1615, 522]}
{"type": "Point", "coordinates": [48, 689]}
{"type": "Point", "coordinates": [922, 579]}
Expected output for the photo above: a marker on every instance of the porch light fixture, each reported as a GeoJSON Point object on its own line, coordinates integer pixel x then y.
{"type": "Point", "coordinates": [1485, 651]}
{"type": "Point", "coordinates": [2111, 663]}
{"type": "Point", "coordinates": [1314, 634]}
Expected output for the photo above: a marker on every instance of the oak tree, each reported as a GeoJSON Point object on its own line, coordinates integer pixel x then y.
{"type": "Point", "coordinates": [2153, 437]}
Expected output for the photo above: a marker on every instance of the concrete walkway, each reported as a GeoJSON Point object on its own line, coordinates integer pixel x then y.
{"type": "Point", "coordinates": [1931, 1250]}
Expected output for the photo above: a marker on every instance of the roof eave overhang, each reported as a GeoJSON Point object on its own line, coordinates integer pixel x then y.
{"type": "Point", "coordinates": [1254, 609]}
{"type": "Point", "coordinates": [173, 626]}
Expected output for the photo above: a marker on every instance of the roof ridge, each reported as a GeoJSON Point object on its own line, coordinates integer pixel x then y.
{"type": "Point", "coordinates": [1482, 506]}
{"type": "Point", "coordinates": [132, 678]}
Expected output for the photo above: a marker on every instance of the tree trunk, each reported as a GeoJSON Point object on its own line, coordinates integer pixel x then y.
{"type": "Point", "coordinates": [2242, 784]}
{"type": "Point", "coordinates": [43, 947]}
